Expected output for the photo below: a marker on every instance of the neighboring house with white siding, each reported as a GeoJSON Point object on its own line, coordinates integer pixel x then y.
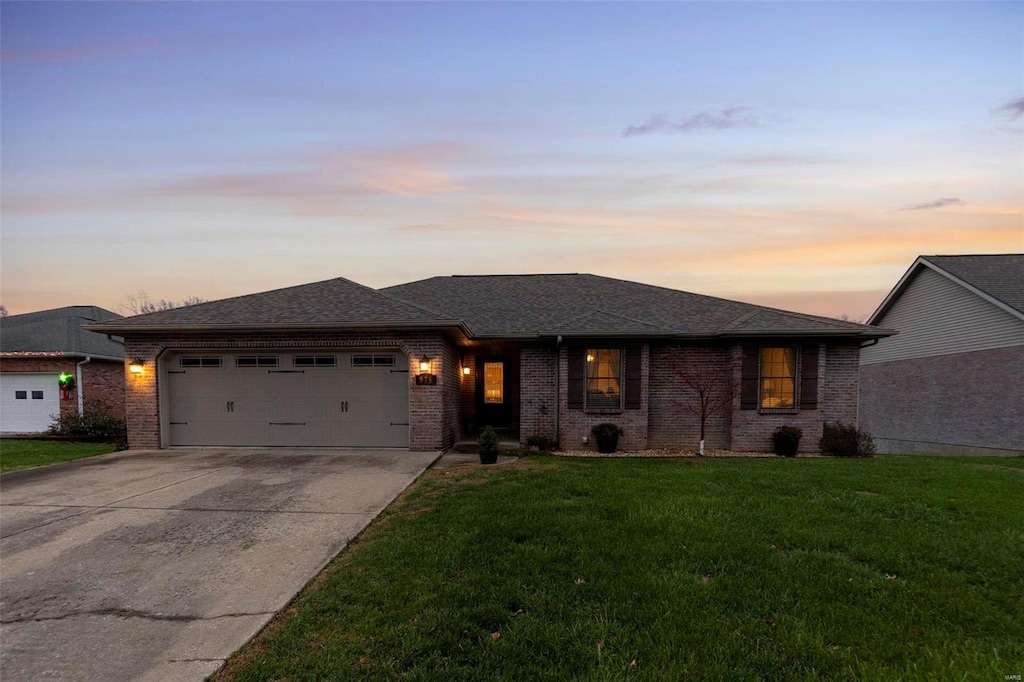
{"type": "Point", "coordinates": [952, 379]}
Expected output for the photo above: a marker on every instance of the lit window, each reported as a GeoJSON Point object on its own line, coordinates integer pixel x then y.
{"type": "Point", "coordinates": [604, 378]}
{"type": "Point", "coordinates": [778, 378]}
{"type": "Point", "coordinates": [494, 382]}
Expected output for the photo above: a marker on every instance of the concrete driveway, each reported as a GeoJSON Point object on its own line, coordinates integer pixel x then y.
{"type": "Point", "coordinates": [157, 565]}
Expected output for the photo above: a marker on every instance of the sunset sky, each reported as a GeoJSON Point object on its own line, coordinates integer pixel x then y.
{"type": "Point", "coordinates": [797, 155]}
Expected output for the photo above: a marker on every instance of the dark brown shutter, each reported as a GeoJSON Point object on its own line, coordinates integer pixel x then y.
{"type": "Point", "coordinates": [749, 378]}
{"type": "Point", "coordinates": [577, 376]}
{"type": "Point", "coordinates": [809, 376]}
{"type": "Point", "coordinates": [631, 391]}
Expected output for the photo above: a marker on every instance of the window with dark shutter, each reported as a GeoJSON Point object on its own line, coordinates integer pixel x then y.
{"type": "Point", "coordinates": [577, 370]}
{"type": "Point", "coordinates": [809, 376]}
{"type": "Point", "coordinates": [750, 377]}
{"type": "Point", "coordinates": [632, 387]}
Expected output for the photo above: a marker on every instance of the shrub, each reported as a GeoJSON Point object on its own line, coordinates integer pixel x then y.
{"type": "Point", "coordinates": [846, 440]}
{"type": "Point", "coordinates": [786, 440]}
{"type": "Point", "coordinates": [542, 443]}
{"type": "Point", "coordinates": [488, 443]}
{"type": "Point", "coordinates": [95, 423]}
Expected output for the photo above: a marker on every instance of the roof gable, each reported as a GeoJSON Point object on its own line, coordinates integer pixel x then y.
{"type": "Point", "coordinates": [997, 278]}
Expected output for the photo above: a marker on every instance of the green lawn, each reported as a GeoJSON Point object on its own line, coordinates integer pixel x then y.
{"type": "Point", "coordinates": [21, 454]}
{"type": "Point", "coordinates": [559, 569]}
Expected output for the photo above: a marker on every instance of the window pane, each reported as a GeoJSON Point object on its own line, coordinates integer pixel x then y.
{"type": "Point", "coordinates": [778, 378]}
{"type": "Point", "coordinates": [21, 395]}
{"type": "Point", "coordinates": [494, 382]}
{"type": "Point", "coordinates": [604, 378]}
{"type": "Point", "coordinates": [37, 395]}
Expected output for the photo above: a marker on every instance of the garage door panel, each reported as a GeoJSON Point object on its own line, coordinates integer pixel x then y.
{"type": "Point", "coordinates": [337, 403]}
{"type": "Point", "coordinates": [28, 401]}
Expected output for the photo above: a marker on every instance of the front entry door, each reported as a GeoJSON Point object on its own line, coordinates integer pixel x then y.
{"type": "Point", "coordinates": [496, 378]}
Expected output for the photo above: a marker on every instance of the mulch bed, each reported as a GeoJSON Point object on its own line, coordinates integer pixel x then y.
{"type": "Point", "coordinates": [672, 452]}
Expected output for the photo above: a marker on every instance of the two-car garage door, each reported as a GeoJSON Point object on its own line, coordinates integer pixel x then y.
{"type": "Point", "coordinates": [287, 398]}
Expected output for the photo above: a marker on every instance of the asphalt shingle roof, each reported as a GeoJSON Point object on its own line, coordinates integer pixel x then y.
{"type": "Point", "coordinates": [512, 305]}
{"type": "Point", "coordinates": [497, 306]}
{"type": "Point", "coordinates": [1000, 276]}
{"type": "Point", "coordinates": [59, 331]}
{"type": "Point", "coordinates": [332, 302]}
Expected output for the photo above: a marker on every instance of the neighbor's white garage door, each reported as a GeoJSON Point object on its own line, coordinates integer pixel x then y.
{"type": "Point", "coordinates": [28, 402]}
{"type": "Point", "coordinates": [288, 398]}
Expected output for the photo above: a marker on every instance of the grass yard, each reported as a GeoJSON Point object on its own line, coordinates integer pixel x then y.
{"type": "Point", "coordinates": [21, 454]}
{"type": "Point", "coordinates": [559, 569]}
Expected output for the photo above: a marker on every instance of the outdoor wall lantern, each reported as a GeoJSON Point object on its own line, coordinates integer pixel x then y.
{"type": "Point", "coordinates": [465, 370]}
{"type": "Point", "coordinates": [136, 366]}
{"type": "Point", "coordinates": [425, 378]}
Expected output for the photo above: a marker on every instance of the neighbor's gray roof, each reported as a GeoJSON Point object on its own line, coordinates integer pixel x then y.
{"type": "Point", "coordinates": [586, 305]}
{"type": "Point", "coordinates": [333, 303]}
{"type": "Point", "coordinates": [999, 277]}
{"type": "Point", "coordinates": [59, 331]}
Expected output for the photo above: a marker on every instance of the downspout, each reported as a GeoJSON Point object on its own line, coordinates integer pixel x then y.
{"type": "Point", "coordinates": [78, 385]}
{"type": "Point", "coordinates": [558, 383]}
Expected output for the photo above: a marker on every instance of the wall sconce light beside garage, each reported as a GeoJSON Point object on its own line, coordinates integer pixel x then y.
{"type": "Point", "coordinates": [425, 378]}
{"type": "Point", "coordinates": [465, 370]}
{"type": "Point", "coordinates": [136, 366]}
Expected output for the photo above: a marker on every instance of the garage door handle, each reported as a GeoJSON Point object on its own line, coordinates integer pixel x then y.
{"type": "Point", "coordinates": [231, 406]}
{"type": "Point", "coordinates": [344, 406]}
{"type": "Point", "coordinates": [399, 423]}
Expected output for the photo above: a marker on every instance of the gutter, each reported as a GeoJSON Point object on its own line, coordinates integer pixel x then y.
{"type": "Point", "coordinates": [78, 385]}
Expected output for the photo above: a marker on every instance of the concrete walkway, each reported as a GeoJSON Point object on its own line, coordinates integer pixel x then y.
{"type": "Point", "coordinates": [157, 565]}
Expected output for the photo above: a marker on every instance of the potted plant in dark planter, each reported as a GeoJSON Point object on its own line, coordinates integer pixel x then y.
{"type": "Point", "coordinates": [488, 443]}
{"type": "Point", "coordinates": [786, 440]}
{"type": "Point", "coordinates": [607, 437]}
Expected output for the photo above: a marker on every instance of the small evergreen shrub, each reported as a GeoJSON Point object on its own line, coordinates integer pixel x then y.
{"type": "Point", "coordinates": [95, 423]}
{"type": "Point", "coordinates": [846, 440]}
{"type": "Point", "coordinates": [488, 443]}
{"type": "Point", "coordinates": [786, 440]}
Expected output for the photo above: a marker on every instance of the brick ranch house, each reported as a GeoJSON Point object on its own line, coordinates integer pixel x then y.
{"type": "Point", "coordinates": [37, 348]}
{"type": "Point", "coordinates": [419, 365]}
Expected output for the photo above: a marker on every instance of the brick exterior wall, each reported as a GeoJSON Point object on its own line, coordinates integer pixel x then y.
{"type": "Point", "coordinates": [537, 391]}
{"type": "Point", "coordinates": [971, 400]}
{"type": "Point", "coordinates": [838, 376]}
{"type": "Point", "coordinates": [574, 425]}
{"type": "Point", "coordinates": [102, 380]}
{"type": "Point", "coordinates": [433, 410]}
{"type": "Point", "coordinates": [672, 423]}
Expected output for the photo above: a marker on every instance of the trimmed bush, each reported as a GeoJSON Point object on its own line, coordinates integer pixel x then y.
{"type": "Point", "coordinates": [786, 440]}
{"type": "Point", "coordinates": [846, 440]}
{"type": "Point", "coordinates": [95, 423]}
{"type": "Point", "coordinates": [488, 443]}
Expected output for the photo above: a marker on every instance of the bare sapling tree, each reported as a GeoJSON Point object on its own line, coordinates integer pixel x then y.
{"type": "Point", "coordinates": [707, 379]}
{"type": "Point", "coordinates": [140, 303]}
